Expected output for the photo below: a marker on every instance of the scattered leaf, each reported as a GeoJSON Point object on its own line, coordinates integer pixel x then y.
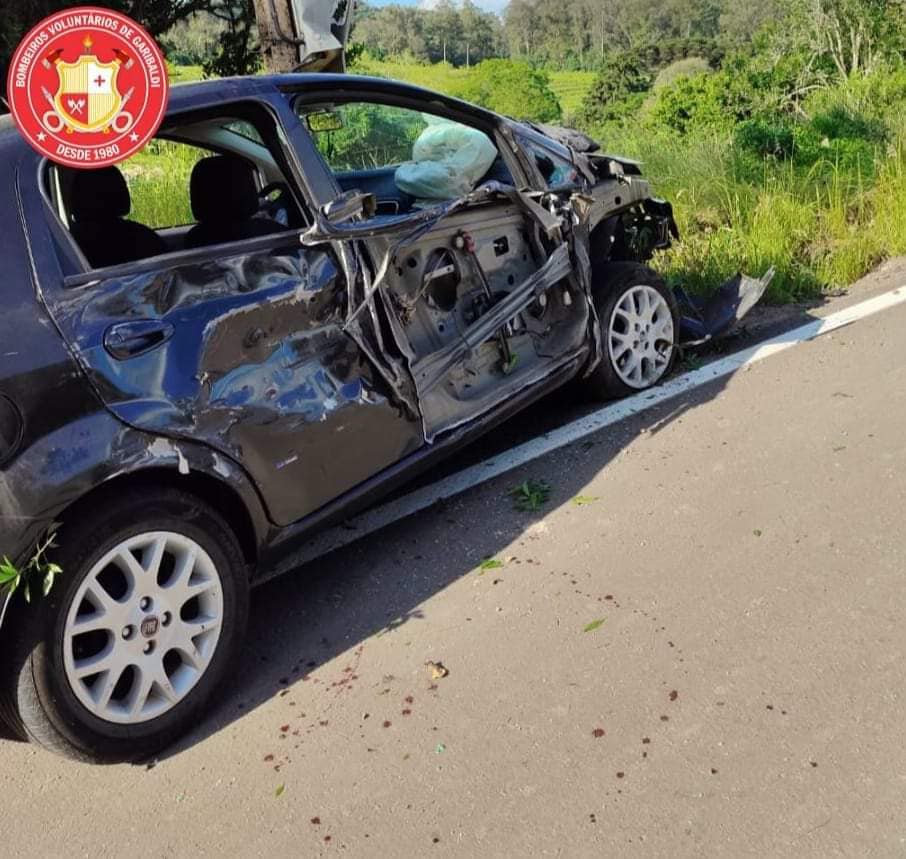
{"type": "Point", "coordinates": [597, 733]}
{"type": "Point", "coordinates": [583, 500]}
{"type": "Point", "coordinates": [673, 695]}
{"type": "Point", "coordinates": [438, 669]}
{"type": "Point", "coordinates": [279, 790]}
{"type": "Point", "coordinates": [757, 532]}
{"type": "Point", "coordinates": [440, 748]}
{"type": "Point", "coordinates": [530, 495]}
{"type": "Point", "coordinates": [591, 627]}
{"type": "Point", "coordinates": [489, 564]}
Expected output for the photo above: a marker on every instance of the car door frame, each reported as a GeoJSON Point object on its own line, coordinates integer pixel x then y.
{"type": "Point", "coordinates": [525, 176]}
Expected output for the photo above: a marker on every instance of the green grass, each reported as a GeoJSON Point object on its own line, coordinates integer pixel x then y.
{"type": "Point", "coordinates": [182, 74]}
{"type": "Point", "coordinates": [571, 89]}
{"type": "Point", "coordinates": [821, 228]}
{"type": "Point", "coordinates": [158, 179]}
{"type": "Point", "coordinates": [441, 77]}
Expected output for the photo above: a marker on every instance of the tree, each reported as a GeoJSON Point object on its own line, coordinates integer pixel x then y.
{"type": "Point", "coordinates": [623, 77]}
{"type": "Point", "coordinates": [237, 52]}
{"type": "Point", "coordinates": [479, 33]}
{"type": "Point", "coordinates": [443, 32]}
{"type": "Point", "coordinates": [156, 16]}
{"type": "Point", "coordinates": [513, 88]}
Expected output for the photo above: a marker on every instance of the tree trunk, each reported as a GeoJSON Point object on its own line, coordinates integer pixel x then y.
{"type": "Point", "coordinates": [278, 54]}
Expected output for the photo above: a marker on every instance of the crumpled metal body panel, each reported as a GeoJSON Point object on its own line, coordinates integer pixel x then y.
{"type": "Point", "coordinates": [715, 317]}
{"type": "Point", "coordinates": [255, 363]}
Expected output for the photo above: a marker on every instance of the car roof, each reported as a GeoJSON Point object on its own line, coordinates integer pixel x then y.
{"type": "Point", "coordinates": [184, 96]}
{"type": "Point", "coordinates": [210, 93]}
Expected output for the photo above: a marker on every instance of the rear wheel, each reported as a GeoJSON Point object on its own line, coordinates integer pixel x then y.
{"type": "Point", "coordinates": [124, 653]}
{"type": "Point", "coordinates": [639, 326]}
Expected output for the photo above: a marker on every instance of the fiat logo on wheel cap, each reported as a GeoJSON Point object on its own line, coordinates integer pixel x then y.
{"type": "Point", "coordinates": [149, 626]}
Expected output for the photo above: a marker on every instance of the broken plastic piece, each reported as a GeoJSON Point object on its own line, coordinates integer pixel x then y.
{"type": "Point", "coordinates": [704, 320]}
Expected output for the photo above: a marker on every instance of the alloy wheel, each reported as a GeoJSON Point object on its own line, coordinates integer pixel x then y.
{"type": "Point", "coordinates": [143, 627]}
{"type": "Point", "coordinates": [640, 336]}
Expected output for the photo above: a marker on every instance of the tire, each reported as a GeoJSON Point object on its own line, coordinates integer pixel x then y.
{"type": "Point", "coordinates": [169, 654]}
{"type": "Point", "coordinates": [614, 285]}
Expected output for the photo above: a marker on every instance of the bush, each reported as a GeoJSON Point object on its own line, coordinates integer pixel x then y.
{"type": "Point", "coordinates": [686, 68]}
{"type": "Point", "coordinates": [765, 139]}
{"type": "Point", "coordinates": [512, 88]}
{"type": "Point", "coordinates": [619, 89]}
{"type": "Point", "coordinates": [702, 102]}
{"type": "Point", "coordinates": [840, 122]}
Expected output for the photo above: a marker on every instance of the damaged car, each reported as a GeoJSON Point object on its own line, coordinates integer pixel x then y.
{"type": "Point", "coordinates": [373, 276]}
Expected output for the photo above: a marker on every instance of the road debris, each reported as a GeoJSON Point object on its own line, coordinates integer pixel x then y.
{"type": "Point", "coordinates": [437, 669]}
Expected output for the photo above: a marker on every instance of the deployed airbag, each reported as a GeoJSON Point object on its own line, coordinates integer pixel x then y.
{"type": "Point", "coordinates": [449, 160]}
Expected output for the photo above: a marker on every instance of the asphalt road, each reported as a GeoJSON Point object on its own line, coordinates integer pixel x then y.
{"type": "Point", "coordinates": [696, 648]}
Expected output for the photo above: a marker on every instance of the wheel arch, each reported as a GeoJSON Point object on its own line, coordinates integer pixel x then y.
{"type": "Point", "coordinates": [219, 494]}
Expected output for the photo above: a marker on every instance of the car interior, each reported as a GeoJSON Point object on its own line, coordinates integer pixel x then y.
{"type": "Point", "coordinates": [204, 180]}
{"type": "Point", "coordinates": [365, 143]}
{"type": "Point", "coordinates": [210, 178]}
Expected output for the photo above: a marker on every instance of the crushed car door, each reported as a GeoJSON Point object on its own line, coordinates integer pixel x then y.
{"type": "Point", "coordinates": [475, 278]}
{"type": "Point", "coordinates": [237, 344]}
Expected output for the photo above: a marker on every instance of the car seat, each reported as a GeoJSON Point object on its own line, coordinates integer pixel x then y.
{"type": "Point", "coordinates": [98, 205]}
{"type": "Point", "coordinates": [224, 201]}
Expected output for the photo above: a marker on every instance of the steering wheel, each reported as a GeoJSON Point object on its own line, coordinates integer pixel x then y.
{"type": "Point", "coordinates": [276, 209]}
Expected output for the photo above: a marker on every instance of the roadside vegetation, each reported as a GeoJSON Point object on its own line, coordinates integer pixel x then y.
{"type": "Point", "coordinates": [777, 129]}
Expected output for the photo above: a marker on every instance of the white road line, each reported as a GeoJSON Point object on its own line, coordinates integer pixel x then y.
{"type": "Point", "coordinates": [380, 517]}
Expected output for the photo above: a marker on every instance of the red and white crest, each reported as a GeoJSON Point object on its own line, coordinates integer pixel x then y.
{"type": "Point", "coordinates": [87, 87]}
{"type": "Point", "coordinates": [87, 97]}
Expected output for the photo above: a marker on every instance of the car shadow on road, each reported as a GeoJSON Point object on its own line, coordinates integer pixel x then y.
{"type": "Point", "coordinates": [330, 607]}
{"type": "Point", "coordinates": [333, 605]}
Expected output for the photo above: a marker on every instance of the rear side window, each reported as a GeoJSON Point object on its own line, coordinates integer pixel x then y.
{"type": "Point", "coordinates": [158, 178]}
{"type": "Point", "coordinates": [218, 176]}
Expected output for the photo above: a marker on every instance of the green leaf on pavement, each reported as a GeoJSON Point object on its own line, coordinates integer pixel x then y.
{"type": "Point", "coordinates": [530, 495]}
{"type": "Point", "coordinates": [490, 564]}
{"type": "Point", "coordinates": [279, 790]}
{"type": "Point", "coordinates": [591, 627]}
{"type": "Point", "coordinates": [582, 500]}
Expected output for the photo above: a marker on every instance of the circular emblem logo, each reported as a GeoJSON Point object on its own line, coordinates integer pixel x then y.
{"type": "Point", "coordinates": [87, 87]}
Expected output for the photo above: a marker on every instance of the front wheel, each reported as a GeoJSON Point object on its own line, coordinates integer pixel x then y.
{"type": "Point", "coordinates": [639, 327]}
{"type": "Point", "coordinates": [124, 653]}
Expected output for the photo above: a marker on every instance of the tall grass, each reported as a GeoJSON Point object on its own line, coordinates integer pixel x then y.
{"type": "Point", "coordinates": [158, 179]}
{"type": "Point", "coordinates": [821, 228]}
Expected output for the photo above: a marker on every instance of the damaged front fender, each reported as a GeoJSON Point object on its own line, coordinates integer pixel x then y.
{"type": "Point", "coordinates": [703, 320]}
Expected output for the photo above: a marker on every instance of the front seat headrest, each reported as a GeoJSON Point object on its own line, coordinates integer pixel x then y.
{"type": "Point", "coordinates": [99, 195]}
{"type": "Point", "coordinates": [223, 189]}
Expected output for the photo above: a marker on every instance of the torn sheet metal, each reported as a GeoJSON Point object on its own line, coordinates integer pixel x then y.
{"type": "Point", "coordinates": [702, 320]}
{"type": "Point", "coordinates": [322, 28]}
{"type": "Point", "coordinates": [456, 374]}
{"type": "Point", "coordinates": [412, 227]}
